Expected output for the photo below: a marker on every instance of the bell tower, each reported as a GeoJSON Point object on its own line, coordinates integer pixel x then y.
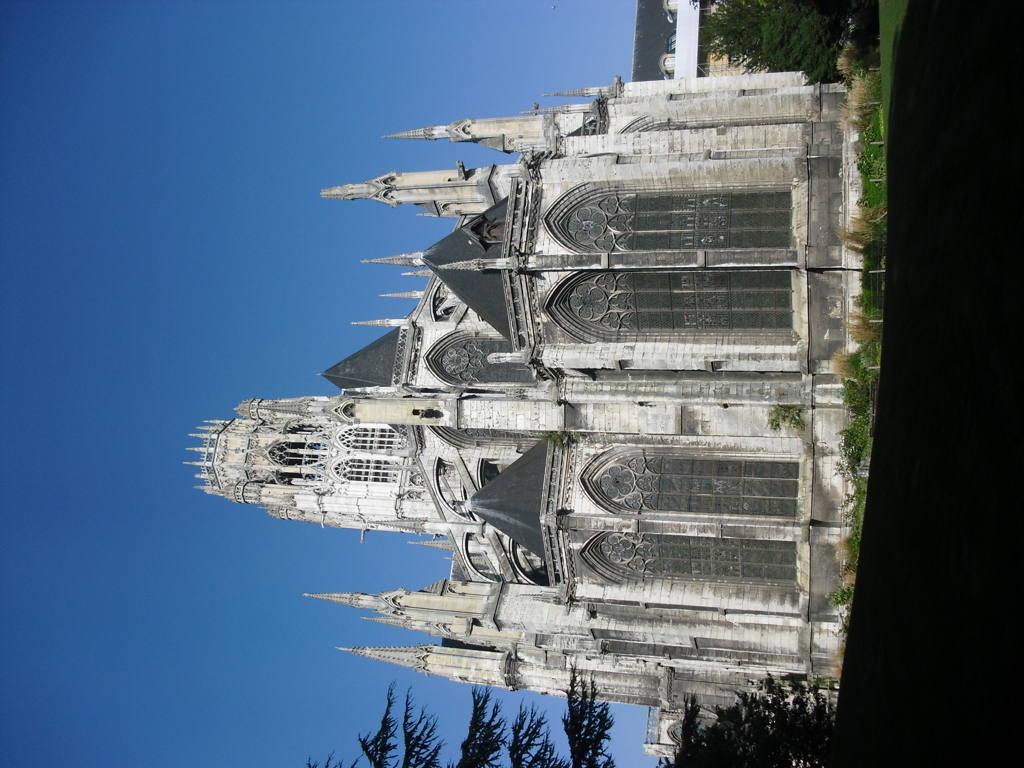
{"type": "Point", "coordinates": [302, 459]}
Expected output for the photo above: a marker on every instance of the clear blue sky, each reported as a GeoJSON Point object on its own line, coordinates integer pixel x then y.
{"type": "Point", "coordinates": [165, 256]}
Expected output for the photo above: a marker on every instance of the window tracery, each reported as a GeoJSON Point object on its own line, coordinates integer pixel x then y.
{"type": "Point", "coordinates": [638, 556]}
{"type": "Point", "coordinates": [382, 439]}
{"type": "Point", "coordinates": [595, 219]}
{"type": "Point", "coordinates": [295, 453]}
{"type": "Point", "coordinates": [625, 305]}
{"type": "Point", "coordinates": [462, 359]}
{"type": "Point", "coordinates": [670, 482]}
{"type": "Point", "coordinates": [368, 470]}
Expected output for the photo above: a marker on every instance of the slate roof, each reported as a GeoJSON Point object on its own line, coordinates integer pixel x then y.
{"type": "Point", "coordinates": [483, 292]}
{"type": "Point", "coordinates": [371, 366]}
{"type": "Point", "coordinates": [512, 501]}
{"type": "Point", "coordinates": [650, 39]}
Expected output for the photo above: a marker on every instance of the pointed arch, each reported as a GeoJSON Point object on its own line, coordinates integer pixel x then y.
{"type": "Point", "coordinates": [368, 471]}
{"type": "Point", "coordinates": [462, 358]}
{"type": "Point", "coordinates": [600, 218]}
{"type": "Point", "coordinates": [473, 438]}
{"type": "Point", "coordinates": [629, 305]}
{"type": "Point", "coordinates": [624, 557]}
{"type": "Point", "coordinates": [364, 438]}
{"type": "Point", "coordinates": [660, 480]}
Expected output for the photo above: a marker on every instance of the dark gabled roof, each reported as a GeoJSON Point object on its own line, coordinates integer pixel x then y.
{"type": "Point", "coordinates": [483, 292]}
{"type": "Point", "coordinates": [371, 366]}
{"type": "Point", "coordinates": [512, 501]}
{"type": "Point", "coordinates": [650, 39]}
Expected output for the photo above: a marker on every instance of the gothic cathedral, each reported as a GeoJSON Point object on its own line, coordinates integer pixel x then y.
{"type": "Point", "coordinates": [578, 407]}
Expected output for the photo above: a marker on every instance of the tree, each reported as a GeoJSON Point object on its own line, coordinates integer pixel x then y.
{"type": "Point", "coordinates": [311, 763]}
{"type": "Point", "coordinates": [777, 36]}
{"type": "Point", "coordinates": [421, 747]}
{"type": "Point", "coordinates": [587, 724]}
{"type": "Point", "coordinates": [781, 726]}
{"type": "Point", "coordinates": [529, 743]}
{"type": "Point", "coordinates": [486, 738]}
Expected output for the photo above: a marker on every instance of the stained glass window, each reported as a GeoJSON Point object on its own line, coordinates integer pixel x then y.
{"type": "Point", "coordinates": [371, 439]}
{"type": "Point", "coordinates": [680, 483]}
{"type": "Point", "coordinates": [368, 471]}
{"type": "Point", "coordinates": [588, 220]}
{"type": "Point", "coordinates": [617, 305]}
{"type": "Point", "coordinates": [636, 556]}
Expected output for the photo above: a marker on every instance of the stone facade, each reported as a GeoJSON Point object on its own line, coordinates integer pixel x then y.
{"type": "Point", "coordinates": [578, 406]}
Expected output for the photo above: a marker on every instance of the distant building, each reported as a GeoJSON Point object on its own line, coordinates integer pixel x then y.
{"type": "Point", "coordinates": [578, 406]}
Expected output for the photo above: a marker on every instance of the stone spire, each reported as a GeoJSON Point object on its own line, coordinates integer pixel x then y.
{"type": "Point", "coordinates": [431, 132]}
{"type": "Point", "coordinates": [411, 656]}
{"type": "Point", "coordinates": [403, 295]}
{"type": "Point", "coordinates": [444, 543]}
{"type": "Point", "coordinates": [506, 134]}
{"type": "Point", "coordinates": [412, 259]}
{"type": "Point", "coordinates": [451, 193]}
{"type": "Point", "coordinates": [608, 91]}
{"type": "Point", "coordinates": [466, 664]}
{"type": "Point", "coordinates": [351, 599]}
{"type": "Point", "coordinates": [390, 322]}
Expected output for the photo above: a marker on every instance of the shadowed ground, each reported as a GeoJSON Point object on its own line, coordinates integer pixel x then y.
{"type": "Point", "coordinates": [933, 648]}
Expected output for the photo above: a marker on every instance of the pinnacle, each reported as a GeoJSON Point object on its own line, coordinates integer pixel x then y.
{"type": "Point", "coordinates": [386, 323]}
{"type": "Point", "coordinates": [411, 259]}
{"type": "Point", "coordinates": [430, 132]}
{"type": "Point", "coordinates": [351, 599]}
{"type": "Point", "coordinates": [403, 295]}
{"type": "Point", "coordinates": [576, 92]}
{"type": "Point", "coordinates": [412, 656]}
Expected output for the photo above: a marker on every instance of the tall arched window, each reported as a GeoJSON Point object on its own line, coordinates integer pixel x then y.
{"type": "Point", "coordinates": [295, 453]}
{"type": "Point", "coordinates": [368, 471]}
{"type": "Point", "coordinates": [625, 305]}
{"type": "Point", "coordinates": [622, 557]}
{"type": "Point", "coordinates": [659, 481]}
{"type": "Point", "coordinates": [590, 218]}
{"type": "Point", "coordinates": [371, 439]}
{"type": "Point", "coordinates": [463, 359]}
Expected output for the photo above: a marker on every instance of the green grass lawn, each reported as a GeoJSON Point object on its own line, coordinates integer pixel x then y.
{"type": "Point", "coordinates": [890, 14]}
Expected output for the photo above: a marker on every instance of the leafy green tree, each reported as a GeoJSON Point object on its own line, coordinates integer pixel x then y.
{"type": "Point", "coordinates": [588, 723]}
{"type": "Point", "coordinates": [781, 726]}
{"type": "Point", "coordinates": [777, 36]}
